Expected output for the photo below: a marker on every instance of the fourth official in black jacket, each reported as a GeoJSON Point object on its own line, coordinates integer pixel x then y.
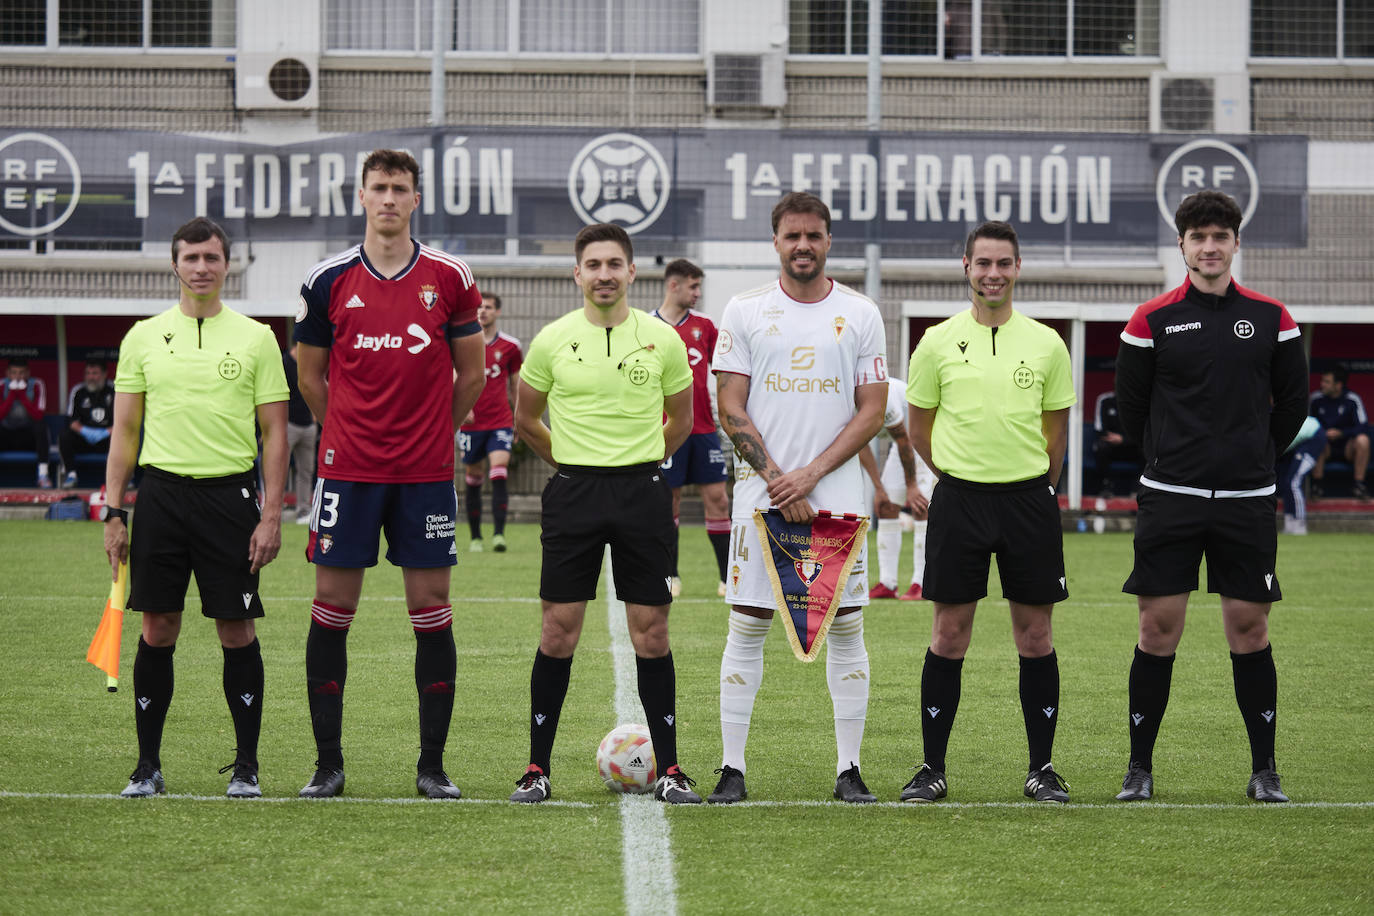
{"type": "Point", "coordinates": [1195, 376]}
{"type": "Point", "coordinates": [1211, 381]}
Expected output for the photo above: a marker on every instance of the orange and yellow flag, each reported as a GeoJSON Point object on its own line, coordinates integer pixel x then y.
{"type": "Point", "coordinates": [104, 650]}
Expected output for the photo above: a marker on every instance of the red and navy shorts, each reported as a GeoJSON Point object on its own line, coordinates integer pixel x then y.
{"type": "Point", "coordinates": [699, 460]}
{"type": "Point", "coordinates": [476, 444]}
{"type": "Point", "coordinates": [347, 517]}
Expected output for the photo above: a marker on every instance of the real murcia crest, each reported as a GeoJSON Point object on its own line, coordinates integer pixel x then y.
{"type": "Point", "coordinates": [839, 326]}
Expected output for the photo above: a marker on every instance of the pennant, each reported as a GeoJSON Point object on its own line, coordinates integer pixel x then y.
{"type": "Point", "coordinates": [809, 568]}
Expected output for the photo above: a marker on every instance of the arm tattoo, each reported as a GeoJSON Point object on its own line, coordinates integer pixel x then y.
{"type": "Point", "coordinates": [747, 445]}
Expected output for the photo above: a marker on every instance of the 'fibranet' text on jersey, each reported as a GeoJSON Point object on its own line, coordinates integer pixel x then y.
{"type": "Point", "coordinates": [803, 360]}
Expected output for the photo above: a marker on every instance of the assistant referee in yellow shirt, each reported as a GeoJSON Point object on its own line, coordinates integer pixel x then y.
{"type": "Point", "coordinates": [608, 374]}
{"type": "Point", "coordinates": [990, 391]}
{"type": "Point", "coordinates": [194, 380]}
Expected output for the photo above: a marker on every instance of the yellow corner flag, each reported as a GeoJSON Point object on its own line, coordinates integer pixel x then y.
{"type": "Point", "coordinates": [104, 650]}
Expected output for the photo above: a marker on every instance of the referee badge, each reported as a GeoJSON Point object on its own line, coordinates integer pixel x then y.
{"type": "Point", "coordinates": [429, 294]}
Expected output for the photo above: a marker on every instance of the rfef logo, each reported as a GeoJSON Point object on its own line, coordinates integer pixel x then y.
{"type": "Point", "coordinates": [40, 184]}
{"type": "Point", "coordinates": [619, 178]}
{"type": "Point", "coordinates": [1207, 164]}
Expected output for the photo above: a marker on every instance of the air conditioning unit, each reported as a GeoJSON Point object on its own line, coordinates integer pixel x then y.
{"type": "Point", "coordinates": [1202, 104]}
{"type": "Point", "coordinates": [752, 81]}
{"type": "Point", "coordinates": [277, 80]}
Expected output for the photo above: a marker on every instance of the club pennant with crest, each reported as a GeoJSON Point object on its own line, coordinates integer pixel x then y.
{"type": "Point", "coordinates": [809, 568]}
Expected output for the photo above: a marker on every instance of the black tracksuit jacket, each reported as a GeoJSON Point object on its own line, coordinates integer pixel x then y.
{"type": "Point", "coordinates": [1213, 388]}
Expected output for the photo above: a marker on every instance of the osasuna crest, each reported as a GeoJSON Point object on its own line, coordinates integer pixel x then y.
{"type": "Point", "coordinates": [326, 542]}
{"type": "Point", "coordinates": [428, 296]}
{"type": "Point", "coordinates": [808, 568]}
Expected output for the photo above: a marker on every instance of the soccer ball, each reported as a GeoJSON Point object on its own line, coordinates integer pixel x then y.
{"type": "Point", "coordinates": [625, 759]}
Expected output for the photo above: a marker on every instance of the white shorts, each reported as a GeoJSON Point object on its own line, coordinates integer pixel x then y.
{"type": "Point", "coordinates": [894, 478]}
{"type": "Point", "coordinates": [746, 571]}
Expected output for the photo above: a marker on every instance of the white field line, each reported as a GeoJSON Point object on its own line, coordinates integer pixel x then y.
{"type": "Point", "coordinates": [1124, 807]}
{"type": "Point", "coordinates": [338, 800]}
{"type": "Point", "coordinates": [645, 851]}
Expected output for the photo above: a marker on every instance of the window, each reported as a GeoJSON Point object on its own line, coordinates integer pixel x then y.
{"type": "Point", "coordinates": [976, 29]}
{"type": "Point", "coordinates": [119, 24]}
{"type": "Point", "coordinates": [600, 27]}
{"type": "Point", "coordinates": [22, 22]}
{"type": "Point", "coordinates": [1333, 29]}
{"type": "Point", "coordinates": [841, 27]}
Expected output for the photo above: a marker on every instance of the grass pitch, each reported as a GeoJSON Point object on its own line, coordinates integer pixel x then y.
{"type": "Point", "coordinates": [66, 746]}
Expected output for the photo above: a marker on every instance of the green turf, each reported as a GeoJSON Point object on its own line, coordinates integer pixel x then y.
{"type": "Point", "coordinates": [1200, 848]}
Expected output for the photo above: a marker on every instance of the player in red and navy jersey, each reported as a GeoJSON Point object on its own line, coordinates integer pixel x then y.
{"type": "Point", "coordinates": [1196, 375]}
{"type": "Point", "coordinates": [488, 434]}
{"type": "Point", "coordinates": [390, 357]}
{"type": "Point", "coordinates": [700, 460]}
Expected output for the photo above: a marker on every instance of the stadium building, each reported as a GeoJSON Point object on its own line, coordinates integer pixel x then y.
{"type": "Point", "coordinates": [1080, 121]}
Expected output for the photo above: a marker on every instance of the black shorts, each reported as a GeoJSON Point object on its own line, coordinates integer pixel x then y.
{"type": "Point", "coordinates": [1173, 531]}
{"type": "Point", "coordinates": [183, 525]}
{"type": "Point", "coordinates": [584, 509]}
{"type": "Point", "coordinates": [1019, 522]}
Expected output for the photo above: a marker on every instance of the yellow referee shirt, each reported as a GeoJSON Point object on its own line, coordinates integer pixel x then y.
{"type": "Point", "coordinates": [201, 380]}
{"type": "Point", "coordinates": [606, 386]}
{"type": "Point", "coordinates": [990, 386]}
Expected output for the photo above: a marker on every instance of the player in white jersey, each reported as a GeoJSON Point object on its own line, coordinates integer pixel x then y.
{"type": "Point", "coordinates": [902, 487]}
{"type": "Point", "coordinates": [801, 373]}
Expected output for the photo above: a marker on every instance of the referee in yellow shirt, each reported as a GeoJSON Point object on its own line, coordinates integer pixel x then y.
{"type": "Point", "coordinates": [194, 380]}
{"type": "Point", "coordinates": [607, 374]}
{"type": "Point", "coordinates": [990, 391]}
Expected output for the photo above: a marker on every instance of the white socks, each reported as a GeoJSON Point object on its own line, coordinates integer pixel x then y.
{"type": "Point", "coordinates": [846, 672]}
{"type": "Point", "coordinates": [741, 672]}
{"type": "Point", "coordinates": [890, 550]}
{"type": "Point", "coordinates": [918, 552]}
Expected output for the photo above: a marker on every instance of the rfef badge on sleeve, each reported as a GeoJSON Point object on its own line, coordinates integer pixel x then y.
{"type": "Point", "coordinates": [810, 565]}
